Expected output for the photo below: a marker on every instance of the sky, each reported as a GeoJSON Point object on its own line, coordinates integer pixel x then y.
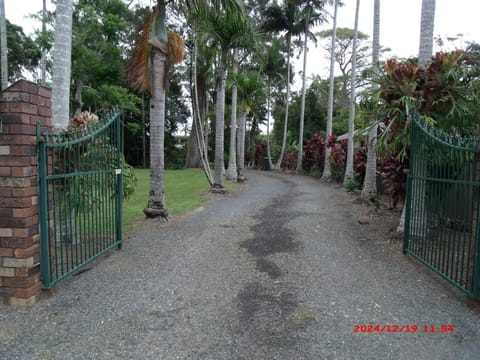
{"type": "Point", "coordinates": [399, 24]}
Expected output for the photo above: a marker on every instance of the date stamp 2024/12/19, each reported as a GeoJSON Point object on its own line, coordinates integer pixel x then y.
{"type": "Point", "coordinates": [394, 328]}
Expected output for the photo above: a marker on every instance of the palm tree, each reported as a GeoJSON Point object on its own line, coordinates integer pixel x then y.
{"type": "Point", "coordinates": [62, 53]}
{"type": "Point", "coordinates": [43, 60]}
{"type": "Point", "coordinates": [162, 49]}
{"type": "Point", "coordinates": [424, 56]}
{"type": "Point", "coordinates": [426, 32]}
{"type": "Point", "coordinates": [251, 93]}
{"type": "Point", "coordinates": [369, 189]}
{"type": "Point", "coordinates": [232, 159]}
{"type": "Point", "coordinates": [273, 67]}
{"type": "Point", "coordinates": [326, 168]}
{"type": "Point", "coordinates": [349, 175]}
{"type": "Point", "coordinates": [200, 103]}
{"type": "Point", "coordinates": [278, 19]}
{"type": "Point", "coordinates": [228, 28]}
{"type": "Point", "coordinates": [3, 47]}
{"type": "Point", "coordinates": [313, 10]}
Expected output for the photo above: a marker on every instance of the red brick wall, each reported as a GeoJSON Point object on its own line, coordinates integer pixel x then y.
{"type": "Point", "coordinates": [22, 105]}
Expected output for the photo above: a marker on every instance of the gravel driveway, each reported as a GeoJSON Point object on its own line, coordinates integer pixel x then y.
{"type": "Point", "coordinates": [281, 271]}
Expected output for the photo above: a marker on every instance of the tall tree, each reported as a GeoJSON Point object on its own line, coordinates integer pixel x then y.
{"type": "Point", "coordinates": [313, 15]}
{"type": "Point", "coordinates": [424, 56]}
{"type": "Point", "coordinates": [228, 28]}
{"type": "Point", "coordinates": [426, 32]}
{"type": "Point", "coordinates": [369, 189]}
{"type": "Point", "coordinates": [327, 173]}
{"type": "Point", "coordinates": [99, 29]}
{"type": "Point", "coordinates": [3, 47]}
{"type": "Point", "coordinates": [159, 49]}
{"type": "Point", "coordinates": [43, 61]}
{"type": "Point", "coordinates": [62, 64]}
{"type": "Point", "coordinates": [349, 174]}
{"type": "Point", "coordinates": [251, 93]}
{"type": "Point", "coordinates": [23, 53]}
{"type": "Point", "coordinates": [284, 18]}
{"type": "Point", "coordinates": [232, 158]}
{"type": "Point", "coordinates": [343, 57]}
{"type": "Point", "coordinates": [304, 87]}
{"type": "Point", "coordinates": [273, 67]}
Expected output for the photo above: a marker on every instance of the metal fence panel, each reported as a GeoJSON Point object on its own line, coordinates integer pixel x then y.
{"type": "Point", "coordinates": [80, 197]}
{"type": "Point", "coordinates": [442, 217]}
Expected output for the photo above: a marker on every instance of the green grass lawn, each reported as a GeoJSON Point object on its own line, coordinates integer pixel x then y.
{"type": "Point", "coordinates": [184, 190]}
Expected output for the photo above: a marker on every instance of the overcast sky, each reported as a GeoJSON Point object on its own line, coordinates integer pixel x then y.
{"type": "Point", "coordinates": [399, 24]}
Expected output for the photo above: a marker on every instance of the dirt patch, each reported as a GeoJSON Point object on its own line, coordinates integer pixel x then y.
{"type": "Point", "coordinates": [379, 221]}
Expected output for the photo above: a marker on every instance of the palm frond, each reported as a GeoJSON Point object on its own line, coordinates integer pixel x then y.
{"type": "Point", "coordinates": [176, 48]}
{"type": "Point", "coordinates": [137, 74]}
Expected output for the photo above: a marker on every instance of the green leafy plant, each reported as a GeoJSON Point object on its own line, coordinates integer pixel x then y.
{"type": "Point", "coordinates": [129, 179]}
{"type": "Point", "coordinates": [351, 185]}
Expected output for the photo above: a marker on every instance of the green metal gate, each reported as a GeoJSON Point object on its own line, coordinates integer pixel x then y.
{"type": "Point", "coordinates": [80, 197]}
{"type": "Point", "coordinates": [442, 213]}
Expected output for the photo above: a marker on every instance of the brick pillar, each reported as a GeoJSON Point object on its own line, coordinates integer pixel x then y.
{"type": "Point", "coordinates": [22, 105]}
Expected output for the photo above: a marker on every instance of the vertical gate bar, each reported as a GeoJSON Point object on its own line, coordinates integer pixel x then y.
{"type": "Point", "coordinates": [113, 204]}
{"type": "Point", "coordinates": [113, 185]}
{"type": "Point", "coordinates": [70, 207]}
{"type": "Point", "coordinates": [467, 216]}
{"type": "Point", "coordinates": [45, 264]}
{"type": "Point", "coordinates": [76, 211]}
{"type": "Point", "coordinates": [54, 186]}
{"type": "Point", "coordinates": [90, 212]}
{"type": "Point", "coordinates": [97, 217]}
{"type": "Point", "coordinates": [476, 257]}
{"type": "Point", "coordinates": [89, 215]}
{"type": "Point", "coordinates": [420, 197]}
{"type": "Point", "coordinates": [104, 194]}
{"type": "Point", "coordinates": [63, 240]}
{"type": "Point", "coordinates": [406, 231]}
{"type": "Point", "coordinates": [443, 244]}
{"type": "Point", "coordinates": [119, 192]}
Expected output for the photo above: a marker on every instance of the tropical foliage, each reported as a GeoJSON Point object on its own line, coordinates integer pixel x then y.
{"type": "Point", "coordinates": [109, 69]}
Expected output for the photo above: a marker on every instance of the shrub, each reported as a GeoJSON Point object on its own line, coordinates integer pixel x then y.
{"type": "Point", "coordinates": [394, 177]}
{"type": "Point", "coordinates": [261, 154]}
{"type": "Point", "coordinates": [351, 185]}
{"type": "Point", "coordinates": [83, 120]}
{"type": "Point", "coordinates": [289, 161]}
{"type": "Point", "coordinates": [314, 153]}
{"type": "Point", "coordinates": [360, 164]}
{"type": "Point", "coordinates": [317, 174]}
{"type": "Point", "coordinates": [337, 159]}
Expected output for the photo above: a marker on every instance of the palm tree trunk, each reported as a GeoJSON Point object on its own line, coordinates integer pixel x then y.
{"type": "Point", "coordinates": [349, 174]}
{"type": "Point", "coordinates": [269, 154]}
{"type": "Point", "coordinates": [144, 136]}
{"type": "Point", "coordinates": [302, 107]}
{"type": "Point", "coordinates": [232, 160]}
{"type": "Point", "coordinates": [156, 202]}
{"type": "Point", "coordinates": [241, 146]}
{"type": "Point", "coordinates": [3, 47]}
{"type": "Point", "coordinates": [62, 53]}
{"type": "Point", "coordinates": [426, 32]}
{"type": "Point", "coordinates": [369, 190]}
{"type": "Point", "coordinates": [327, 173]}
{"type": "Point", "coordinates": [219, 127]}
{"type": "Point", "coordinates": [287, 99]}
{"type": "Point", "coordinates": [43, 60]}
{"type": "Point", "coordinates": [424, 55]}
{"type": "Point", "coordinates": [200, 103]}
{"type": "Point", "coordinates": [77, 98]}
